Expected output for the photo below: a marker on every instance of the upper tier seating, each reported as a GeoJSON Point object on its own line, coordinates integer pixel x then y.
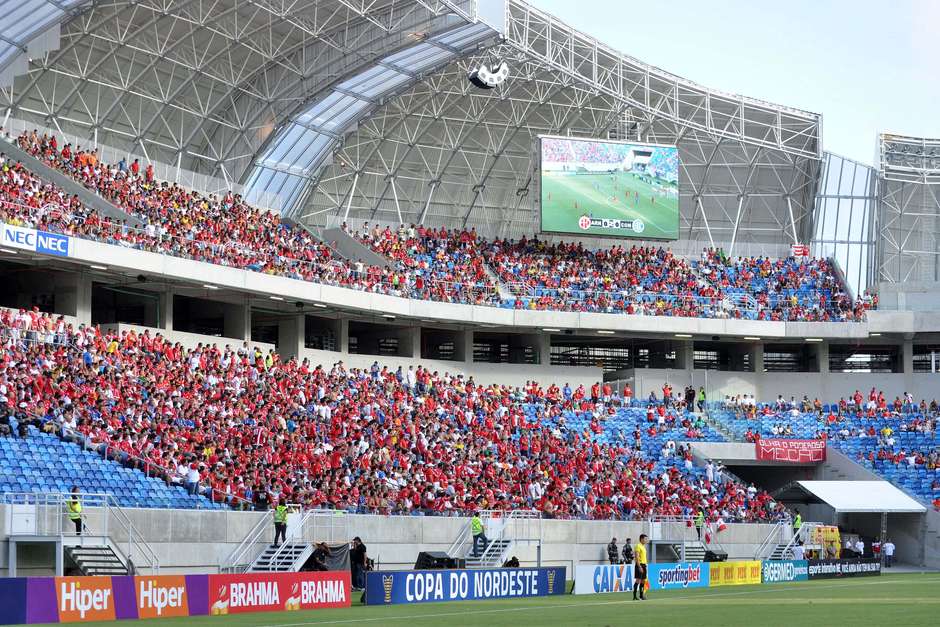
{"type": "Point", "coordinates": [427, 264]}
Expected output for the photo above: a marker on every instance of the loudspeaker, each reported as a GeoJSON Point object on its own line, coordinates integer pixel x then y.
{"type": "Point", "coordinates": [435, 560]}
{"type": "Point", "coordinates": [716, 556]}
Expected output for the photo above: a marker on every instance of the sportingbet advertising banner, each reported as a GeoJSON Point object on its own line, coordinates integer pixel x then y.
{"type": "Point", "coordinates": [608, 188]}
{"type": "Point", "coordinates": [781, 571]}
{"type": "Point", "coordinates": [678, 576]}
{"type": "Point", "coordinates": [734, 573]}
{"type": "Point", "coordinates": [82, 599]}
{"type": "Point", "coordinates": [603, 578]}
{"type": "Point", "coordinates": [427, 586]}
{"type": "Point", "coordinates": [829, 569]}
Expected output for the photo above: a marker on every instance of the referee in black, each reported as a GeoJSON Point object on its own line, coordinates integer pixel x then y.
{"type": "Point", "coordinates": [639, 568]}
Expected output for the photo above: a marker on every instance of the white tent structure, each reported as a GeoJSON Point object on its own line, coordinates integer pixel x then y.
{"type": "Point", "coordinates": [862, 497]}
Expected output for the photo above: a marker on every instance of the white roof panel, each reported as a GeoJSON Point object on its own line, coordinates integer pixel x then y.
{"type": "Point", "coordinates": [861, 497]}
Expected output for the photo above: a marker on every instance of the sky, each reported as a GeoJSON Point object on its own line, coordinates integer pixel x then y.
{"type": "Point", "coordinates": [867, 66]}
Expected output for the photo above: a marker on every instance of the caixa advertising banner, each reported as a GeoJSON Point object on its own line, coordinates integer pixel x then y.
{"type": "Point", "coordinates": [678, 576]}
{"type": "Point", "coordinates": [828, 569]}
{"type": "Point", "coordinates": [603, 578]}
{"type": "Point", "coordinates": [780, 571]}
{"type": "Point", "coordinates": [426, 586]}
{"type": "Point", "coordinates": [82, 599]}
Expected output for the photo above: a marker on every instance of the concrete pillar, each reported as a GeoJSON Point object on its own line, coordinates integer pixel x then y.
{"type": "Point", "coordinates": [409, 342]}
{"type": "Point", "coordinates": [237, 323]}
{"type": "Point", "coordinates": [685, 354]}
{"type": "Point", "coordinates": [165, 316]}
{"type": "Point", "coordinates": [907, 357]}
{"type": "Point", "coordinates": [822, 357]}
{"type": "Point", "coordinates": [757, 357]}
{"type": "Point", "coordinates": [83, 298]}
{"type": "Point", "coordinates": [341, 332]}
{"type": "Point", "coordinates": [464, 346]}
{"type": "Point", "coordinates": [544, 345]}
{"type": "Point", "coordinates": [290, 336]}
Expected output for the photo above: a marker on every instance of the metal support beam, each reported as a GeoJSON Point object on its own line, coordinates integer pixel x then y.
{"type": "Point", "coordinates": [737, 222]}
{"type": "Point", "coordinates": [796, 239]}
{"type": "Point", "coordinates": [711, 240]}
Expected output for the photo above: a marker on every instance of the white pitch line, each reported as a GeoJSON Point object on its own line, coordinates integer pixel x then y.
{"type": "Point", "coordinates": [502, 610]}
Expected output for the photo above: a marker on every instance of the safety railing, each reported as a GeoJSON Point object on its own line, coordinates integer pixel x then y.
{"type": "Point", "coordinates": [778, 535]}
{"type": "Point", "coordinates": [330, 526]}
{"type": "Point", "coordinates": [238, 560]}
{"type": "Point", "coordinates": [47, 514]}
{"type": "Point", "coordinates": [516, 527]}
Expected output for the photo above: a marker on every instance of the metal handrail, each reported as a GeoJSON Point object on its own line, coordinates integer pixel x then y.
{"type": "Point", "coordinates": [772, 539]}
{"type": "Point", "coordinates": [58, 501]}
{"type": "Point", "coordinates": [238, 557]}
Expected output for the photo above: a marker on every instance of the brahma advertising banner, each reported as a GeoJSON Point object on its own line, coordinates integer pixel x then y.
{"type": "Point", "coordinates": [734, 573]}
{"type": "Point", "coordinates": [426, 586]}
{"type": "Point", "coordinates": [603, 578]}
{"type": "Point", "coordinates": [828, 569]}
{"type": "Point", "coordinates": [780, 571]}
{"type": "Point", "coordinates": [677, 576]}
{"type": "Point", "coordinates": [792, 451]}
{"type": "Point", "coordinates": [82, 599]}
{"type": "Point", "coordinates": [272, 592]}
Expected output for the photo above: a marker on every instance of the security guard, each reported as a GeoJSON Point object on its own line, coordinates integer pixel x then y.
{"type": "Point", "coordinates": [280, 523]}
{"type": "Point", "coordinates": [797, 523]}
{"type": "Point", "coordinates": [476, 530]}
{"type": "Point", "coordinates": [699, 523]}
{"type": "Point", "coordinates": [74, 506]}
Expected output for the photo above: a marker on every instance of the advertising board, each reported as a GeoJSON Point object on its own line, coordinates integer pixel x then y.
{"type": "Point", "coordinates": [603, 578]}
{"type": "Point", "coordinates": [780, 571]}
{"type": "Point", "coordinates": [734, 573]}
{"type": "Point", "coordinates": [426, 586]}
{"type": "Point", "coordinates": [678, 576]}
{"type": "Point", "coordinates": [828, 569]}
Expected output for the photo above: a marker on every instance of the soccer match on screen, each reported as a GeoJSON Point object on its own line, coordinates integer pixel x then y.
{"type": "Point", "coordinates": [446, 313]}
{"type": "Point", "coordinates": [594, 187]}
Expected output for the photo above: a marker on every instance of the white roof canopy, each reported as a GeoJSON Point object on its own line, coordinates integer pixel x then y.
{"type": "Point", "coordinates": [862, 497]}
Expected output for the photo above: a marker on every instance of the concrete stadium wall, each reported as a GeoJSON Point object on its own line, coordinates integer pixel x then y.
{"type": "Point", "coordinates": [190, 541]}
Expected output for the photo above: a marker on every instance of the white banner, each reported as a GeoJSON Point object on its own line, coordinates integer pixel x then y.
{"type": "Point", "coordinates": [603, 578]}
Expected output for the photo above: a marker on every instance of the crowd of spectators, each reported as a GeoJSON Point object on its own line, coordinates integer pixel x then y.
{"type": "Point", "coordinates": [244, 426]}
{"type": "Point", "coordinates": [434, 264]}
{"type": "Point", "coordinates": [895, 437]}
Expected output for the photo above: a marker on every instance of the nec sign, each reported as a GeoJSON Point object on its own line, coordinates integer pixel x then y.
{"type": "Point", "coordinates": [32, 240]}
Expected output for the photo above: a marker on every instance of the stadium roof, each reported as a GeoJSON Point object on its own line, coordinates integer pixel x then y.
{"type": "Point", "coordinates": [362, 110]}
{"type": "Point", "coordinates": [857, 497]}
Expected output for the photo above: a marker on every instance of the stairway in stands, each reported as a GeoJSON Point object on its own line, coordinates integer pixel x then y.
{"type": "Point", "coordinates": [694, 551]}
{"type": "Point", "coordinates": [286, 558]}
{"type": "Point", "coordinates": [493, 557]}
{"type": "Point", "coordinates": [95, 560]}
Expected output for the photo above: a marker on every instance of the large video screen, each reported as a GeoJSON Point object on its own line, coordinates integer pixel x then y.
{"type": "Point", "coordinates": [613, 189]}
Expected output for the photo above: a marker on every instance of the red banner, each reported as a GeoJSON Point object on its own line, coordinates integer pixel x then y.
{"type": "Point", "coordinates": [794, 451]}
{"type": "Point", "coordinates": [278, 592]}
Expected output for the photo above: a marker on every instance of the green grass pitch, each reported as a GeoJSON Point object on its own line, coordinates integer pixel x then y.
{"type": "Point", "coordinates": [909, 599]}
{"type": "Point", "coordinates": [623, 195]}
